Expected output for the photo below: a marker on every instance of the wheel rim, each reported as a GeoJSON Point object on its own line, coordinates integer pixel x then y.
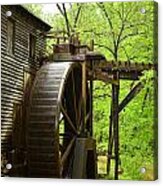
{"type": "Point", "coordinates": [64, 129]}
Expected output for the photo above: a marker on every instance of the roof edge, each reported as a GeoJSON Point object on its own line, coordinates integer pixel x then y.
{"type": "Point", "coordinates": [46, 26]}
{"type": "Point", "coordinates": [36, 17]}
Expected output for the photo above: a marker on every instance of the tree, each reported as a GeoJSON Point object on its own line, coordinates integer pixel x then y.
{"type": "Point", "coordinates": [121, 29]}
{"type": "Point", "coordinates": [71, 23]}
{"type": "Point", "coordinates": [36, 9]}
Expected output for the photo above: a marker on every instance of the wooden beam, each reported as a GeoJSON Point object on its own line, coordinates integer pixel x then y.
{"type": "Point", "coordinates": [84, 82]}
{"type": "Point", "coordinates": [107, 76]}
{"type": "Point", "coordinates": [110, 142]}
{"type": "Point", "coordinates": [130, 96]}
{"type": "Point", "coordinates": [124, 66]}
{"type": "Point", "coordinates": [115, 120]}
{"type": "Point", "coordinates": [91, 99]}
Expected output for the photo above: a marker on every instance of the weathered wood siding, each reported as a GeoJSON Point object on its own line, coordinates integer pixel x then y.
{"type": "Point", "coordinates": [14, 66]}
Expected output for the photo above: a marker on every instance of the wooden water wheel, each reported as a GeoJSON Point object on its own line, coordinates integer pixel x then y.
{"type": "Point", "coordinates": [56, 120]}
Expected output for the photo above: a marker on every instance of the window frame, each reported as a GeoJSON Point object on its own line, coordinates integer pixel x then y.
{"type": "Point", "coordinates": [10, 45]}
{"type": "Point", "coordinates": [32, 45]}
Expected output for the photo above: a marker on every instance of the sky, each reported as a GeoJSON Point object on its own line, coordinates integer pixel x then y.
{"type": "Point", "coordinates": [51, 8]}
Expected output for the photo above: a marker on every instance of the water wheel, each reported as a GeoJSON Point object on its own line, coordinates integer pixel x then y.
{"type": "Point", "coordinates": [55, 120]}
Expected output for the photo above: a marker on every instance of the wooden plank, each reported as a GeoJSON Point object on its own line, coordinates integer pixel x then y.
{"type": "Point", "coordinates": [42, 165]}
{"type": "Point", "coordinates": [41, 157]}
{"type": "Point", "coordinates": [79, 161]}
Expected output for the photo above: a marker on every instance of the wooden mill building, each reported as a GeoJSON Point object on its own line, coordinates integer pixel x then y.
{"type": "Point", "coordinates": [21, 46]}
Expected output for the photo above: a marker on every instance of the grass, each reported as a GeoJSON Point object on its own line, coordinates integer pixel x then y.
{"type": "Point", "coordinates": [102, 165]}
{"type": "Point", "coordinates": [102, 171]}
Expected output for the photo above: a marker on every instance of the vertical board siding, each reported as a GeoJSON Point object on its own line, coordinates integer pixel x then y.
{"type": "Point", "coordinates": [13, 66]}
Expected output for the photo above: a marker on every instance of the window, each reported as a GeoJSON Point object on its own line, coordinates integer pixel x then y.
{"type": "Point", "coordinates": [10, 36]}
{"type": "Point", "coordinates": [32, 46]}
{"type": "Point", "coordinates": [28, 81]}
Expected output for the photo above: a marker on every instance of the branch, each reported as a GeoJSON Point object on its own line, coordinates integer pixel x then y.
{"type": "Point", "coordinates": [131, 35]}
{"type": "Point", "coordinates": [77, 15]}
{"type": "Point", "coordinates": [66, 19]}
{"type": "Point", "coordinates": [123, 11]}
{"type": "Point", "coordinates": [64, 14]}
{"type": "Point", "coordinates": [134, 25]}
{"type": "Point", "coordinates": [102, 7]}
{"type": "Point", "coordinates": [106, 47]}
{"type": "Point", "coordinates": [120, 13]}
{"type": "Point", "coordinates": [128, 13]}
{"type": "Point", "coordinates": [97, 33]}
{"type": "Point", "coordinates": [128, 57]}
{"type": "Point", "coordinates": [70, 5]}
{"type": "Point", "coordinates": [59, 8]}
{"type": "Point", "coordinates": [119, 35]}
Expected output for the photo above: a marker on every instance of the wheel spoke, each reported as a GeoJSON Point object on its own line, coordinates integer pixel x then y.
{"type": "Point", "coordinates": [74, 96]}
{"type": "Point", "coordinates": [60, 119]}
{"type": "Point", "coordinates": [61, 147]}
{"type": "Point", "coordinates": [68, 119]}
{"type": "Point", "coordinates": [68, 150]}
{"type": "Point", "coordinates": [88, 116]}
{"type": "Point", "coordinates": [86, 119]}
{"type": "Point", "coordinates": [79, 112]}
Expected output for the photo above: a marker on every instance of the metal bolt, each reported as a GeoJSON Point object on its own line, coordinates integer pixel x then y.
{"type": "Point", "coordinates": [142, 10]}
{"type": "Point", "coordinates": [143, 170]}
{"type": "Point", "coordinates": [8, 166]}
{"type": "Point", "coordinates": [8, 13]}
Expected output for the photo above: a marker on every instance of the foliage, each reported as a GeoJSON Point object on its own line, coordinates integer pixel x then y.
{"type": "Point", "coordinates": [36, 9]}
{"type": "Point", "coordinates": [121, 32]}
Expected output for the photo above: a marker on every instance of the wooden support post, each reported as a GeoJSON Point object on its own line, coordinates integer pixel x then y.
{"type": "Point", "coordinates": [91, 101]}
{"type": "Point", "coordinates": [115, 120]}
{"type": "Point", "coordinates": [126, 100]}
{"type": "Point", "coordinates": [110, 142]}
{"type": "Point", "coordinates": [84, 166]}
{"type": "Point", "coordinates": [92, 45]}
{"type": "Point", "coordinates": [58, 41]}
{"type": "Point", "coordinates": [84, 81]}
{"type": "Point", "coordinates": [91, 107]}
